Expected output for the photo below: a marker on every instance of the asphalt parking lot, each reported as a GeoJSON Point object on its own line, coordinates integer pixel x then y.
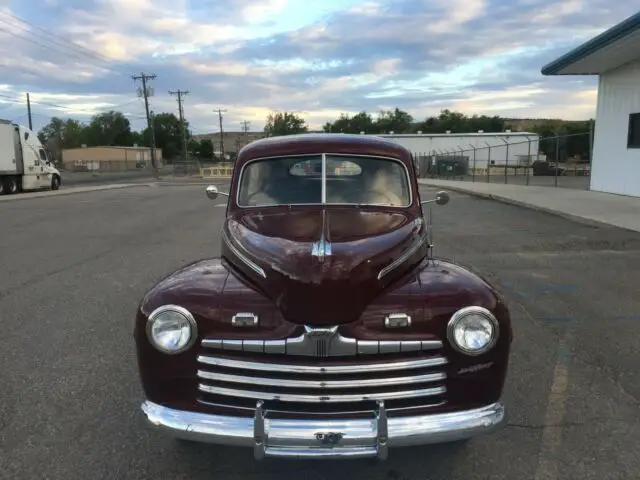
{"type": "Point", "coordinates": [74, 267]}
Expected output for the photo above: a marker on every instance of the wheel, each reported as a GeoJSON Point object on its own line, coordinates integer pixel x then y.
{"type": "Point", "coordinates": [11, 185]}
{"type": "Point", "coordinates": [55, 183]}
{"type": "Point", "coordinates": [2, 189]}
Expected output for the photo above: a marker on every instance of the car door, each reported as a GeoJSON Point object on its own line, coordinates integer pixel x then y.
{"type": "Point", "coordinates": [45, 173]}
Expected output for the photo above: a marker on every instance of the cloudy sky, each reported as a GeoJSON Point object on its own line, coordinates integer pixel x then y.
{"type": "Point", "coordinates": [250, 57]}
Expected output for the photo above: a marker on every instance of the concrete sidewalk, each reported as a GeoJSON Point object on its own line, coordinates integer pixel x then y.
{"type": "Point", "coordinates": [578, 205]}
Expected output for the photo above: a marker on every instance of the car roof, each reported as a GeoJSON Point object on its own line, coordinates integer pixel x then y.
{"type": "Point", "coordinates": [317, 143]}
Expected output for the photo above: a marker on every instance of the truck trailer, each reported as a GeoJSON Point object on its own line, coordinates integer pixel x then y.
{"type": "Point", "coordinates": [24, 163]}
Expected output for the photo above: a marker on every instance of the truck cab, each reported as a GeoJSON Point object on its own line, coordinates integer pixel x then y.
{"type": "Point", "coordinates": [24, 163]}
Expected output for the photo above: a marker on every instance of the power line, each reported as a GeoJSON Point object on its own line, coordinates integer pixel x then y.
{"type": "Point", "coordinates": [59, 40]}
{"type": "Point", "coordinates": [146, 93]}
{"type": "Point", "coordinates": [180, 94]}
{"type": "Point", "coordinates": [220, 112]}
{"type": "Point", "coordinates": [13, 100]}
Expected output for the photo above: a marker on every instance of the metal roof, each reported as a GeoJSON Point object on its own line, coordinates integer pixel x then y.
{"type": "Point", "coordinates": [464, 134]}
{"type": "Point", "coordinates": [612, 48]}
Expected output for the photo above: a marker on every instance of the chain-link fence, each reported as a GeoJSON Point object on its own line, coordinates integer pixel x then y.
{"type": "Point", "coordinates": [560, 161]}
{"type": "Point", "coordinates": [186, 168]}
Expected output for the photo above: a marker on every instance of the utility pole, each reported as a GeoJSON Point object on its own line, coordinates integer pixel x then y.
{"type": "Point", "coordinates": [29, 112]}
{"type": "Point", "coordinates": [245, 129]}
{"type": "Point", "coordinates": [220, 112]}
{"type": "Point", "coordinates": [146, 93]}
{"type": "Point", "coordinates": [180, 94]}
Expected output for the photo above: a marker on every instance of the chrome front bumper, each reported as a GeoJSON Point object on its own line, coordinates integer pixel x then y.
{"type": "Point", "coordinates": [311, 438]}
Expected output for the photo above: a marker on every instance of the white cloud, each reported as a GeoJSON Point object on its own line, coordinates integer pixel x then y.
{"type": "Point", "coordinates": [257, 12]}
{"type": "Point", "coordinates": [420, 55]}
{"type": "Point", "coordinates": [456, 13]}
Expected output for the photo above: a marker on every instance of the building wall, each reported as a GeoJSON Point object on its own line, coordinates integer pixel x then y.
{"type": "Point", "coordinates": [615, 168]}
{"type": "Point", "coordinates": [432, 144]}
{"type": "Point", "coordinates": [108, 158]}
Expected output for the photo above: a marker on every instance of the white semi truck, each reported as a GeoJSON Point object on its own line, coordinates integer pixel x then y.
{"type": "Point", "coordinates": [24, 163]}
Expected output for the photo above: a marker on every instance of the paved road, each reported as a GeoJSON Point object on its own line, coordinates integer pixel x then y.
{"type": "Point", "coordinates": [91, 178]}
{"type": "Point", "coordinates": [75, 266]}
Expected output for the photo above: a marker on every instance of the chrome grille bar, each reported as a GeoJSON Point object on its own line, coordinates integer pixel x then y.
{"type": "Point", "coordinates": [291, 397]}
{"type": "Point", "coordinates": [325, 369]}
{"type": "Point", "coordinates": [315, 384]}
{"type": "Point", "coordinates": [331, 344]}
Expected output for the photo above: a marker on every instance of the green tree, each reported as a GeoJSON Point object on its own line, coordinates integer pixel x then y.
{"type": "Point", "coordinates": [59, 134]}
{"type": "Point", "coordinates": [110, 128]}
{"type": "Point", "coordinates": [205, 149]}
{"type": "Point", "coordinates": [68, 133]}
{"type": "Point", "coordinates": [168, 134]}
{"type": "Point", "coordinates": [193, 147]}
{"type": "Point", "coordinates": [361, 122]}
{"type": "Point", "coordinates": [457, 122]}
{"type": "Point", "coordinates": [397, 121]}
{"type": "Point", "coordinates": [284, 123]}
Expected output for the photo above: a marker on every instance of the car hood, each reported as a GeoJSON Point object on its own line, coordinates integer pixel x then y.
{"type": "Point", "coordinates": [331, 290]}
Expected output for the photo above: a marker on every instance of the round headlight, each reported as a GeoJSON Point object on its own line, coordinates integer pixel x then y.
{"type": "Point", "coordinates": [473, 330]}
{"type": "Point", "coordinates": [171, 329]}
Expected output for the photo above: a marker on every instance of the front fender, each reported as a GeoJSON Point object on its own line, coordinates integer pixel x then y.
{"type": "Point", "coordinates": [447, 287]}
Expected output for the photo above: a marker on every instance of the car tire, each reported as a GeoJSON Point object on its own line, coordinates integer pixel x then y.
{"type": "Point", "coordinates": [11, 186]}
{"type": "Point", "coordinates": [55, 183]}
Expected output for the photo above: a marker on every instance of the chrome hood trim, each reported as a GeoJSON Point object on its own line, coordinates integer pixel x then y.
{"type": "Point", "coordinates": [244, 258]}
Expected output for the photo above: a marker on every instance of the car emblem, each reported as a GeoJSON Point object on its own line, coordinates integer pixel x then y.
{"type": "Point", "coordinates": [321, 339]}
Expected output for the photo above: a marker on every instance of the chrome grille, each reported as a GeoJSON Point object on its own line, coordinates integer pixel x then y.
{"type": "Point", "coordinates": [320, 385]}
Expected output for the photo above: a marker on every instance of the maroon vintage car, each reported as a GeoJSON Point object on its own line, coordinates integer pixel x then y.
{"type": "Point", "coordinates": [326, 328]}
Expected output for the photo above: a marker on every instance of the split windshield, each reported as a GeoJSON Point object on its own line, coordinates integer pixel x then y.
{"type": "Point", "coordinates": [348, 180]}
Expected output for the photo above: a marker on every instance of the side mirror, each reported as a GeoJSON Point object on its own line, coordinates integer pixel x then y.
{"type": "Point", "coordinates": [442, 198]}
{"type": "Point", "coordinates": [212, 192]}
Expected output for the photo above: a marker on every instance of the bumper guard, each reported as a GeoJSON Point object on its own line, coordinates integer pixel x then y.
{"type": "Point", "coordinates": [314, 438]}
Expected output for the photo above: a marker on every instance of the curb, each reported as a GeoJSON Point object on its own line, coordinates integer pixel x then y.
{"type": "Point", "coordinates": [186, 183]}
{"type": "Point", "coordinates": [518, 203]}
{"type": "Point", "coordinates": [69, 191]}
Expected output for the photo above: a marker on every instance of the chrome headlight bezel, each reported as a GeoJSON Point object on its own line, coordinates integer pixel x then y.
{"type": "Point", "coordinates": [191, 321]}
{"type": "Point", "coordinates": [463, 313]}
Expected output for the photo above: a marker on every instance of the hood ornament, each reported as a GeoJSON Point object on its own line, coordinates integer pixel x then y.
{"type": "Point", "coordinates": [321, 249]}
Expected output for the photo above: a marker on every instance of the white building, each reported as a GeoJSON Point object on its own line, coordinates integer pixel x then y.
{"type": "Point", "coordinates": [505, 148]}
{"type": "Point", "coordinates": [615, 57]}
